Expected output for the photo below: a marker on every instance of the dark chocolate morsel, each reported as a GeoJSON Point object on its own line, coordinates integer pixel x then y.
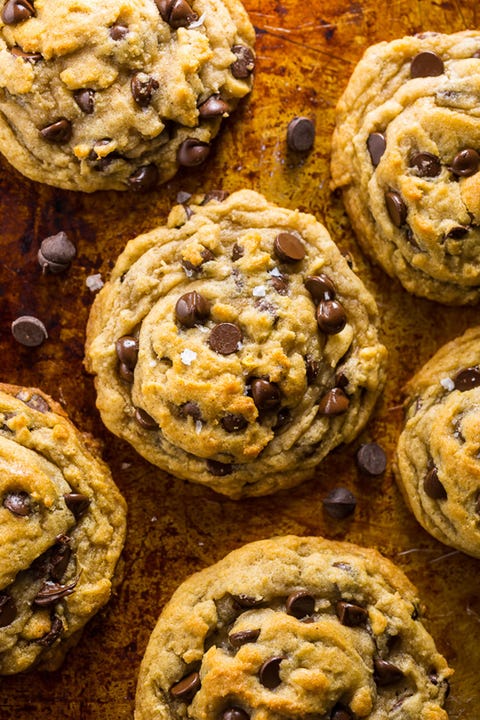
{"type": "Point", "coordinates": [56, 629]}
{"type": "Point", "coordinates": [237, 252]}
{"type": "Point", "coordinates": [288, 247]}
{"type": "Point", "coordinates": [18, 502]}
{"type": "Point", "coordinates": [457, 232]}
{"type": "Point", "coordinates": [426, 164]}
{"type": "Point", "coordinates": [145, 420]}
{"type": "Point", "coordinates": [467, 379]}
{"type": "Point", "coordinates": [320, 287]}
{"type": "Point", "coordinates": [8, 609]}
{"type": "Point", "coordinates": [56, 253]}
{"type": "Point", "coordinates": [225, 338]}
{"type": "Point", "coordinates": [219, 469]}
{"type": "Point", "coordinates": [350, 614]}
{"type": "Point", "coordinates": [29, 331]}
{"type": "Point", "coordinates": [340, 503]}
{"type": "Point", "coordinates": [143, 87]}
{"type": "Point", "coordinates": [247, 601]}
{"type": "Point", "coordinates": [312, 368]}
{"type": "Point", "coordinates": [265, 394]}
{"type": "Point", "coordinates": [15, 11]}
{"type": "Point", "coordinates": [334, 402]}
{"type": "Point", "coordinates": [51, 592]}
{"type": "Point", "coordinates": [59, 558]}
{"type": "Point", "coordinates": [213, 107]}
{"type": "Point", "coordinates": [32, 57]}
{"type": "Point", "coordinates": [269, 672]}
{"type": "Point", "coordinates": [331, 316]}
{"type": "Point", "coordinates": [57, 132]}
{"type": "Point", "coordinates": [280, 283]}
{"type": "Point", "coordinates": [385, 672]}
{"type": "Point", "coordinates": [85, 100]}
{"type": "Point", "coordinates": [126, 348]}
{"type": "Point", "coordinates": [300, 134]}
{"type": "Point", "coordinates": [396, 208]}
{"type": "Point", "coordinates": [300, 604]}
{"type": "Point", "coordinates": [233, 423]}
{"type": "Point", "coordinates": [234, 713]}
{"type": "Point", "coordinates": [465, 163]}
{"type": "Point", "coordinates": [371, 458]}
{"type": "Point", "coordinates": [118, 31]}
{"type": "Point", "coordinates": [284, 416]}
{"type": "Point", "coordinates": [244, 65]}
{"type": "Point", "coordinates": [432, 485]}
{"type": "Point", "coordinates": [77, 503]}
{"type": "Point", "coordinates": [376, 145]}
{"type": "Point", "coordinates": [186, 688]}
{"type": "Point", "coordinates": [242, 637]}
{"type": "Point", "coordinates": [191, 309]}
{"type": "Point", "coordinates": [190, 409]}
{"type": "Point", "coordinates": [126, 373]}
{"type": "Point", "coordinates": [177, 13]}
{"type": "Point", "coordinates": [426, 64]}
{"type": "Point", "coordinates": [192, 152]}
{"type": "Point", "coordinates": [144, 178]}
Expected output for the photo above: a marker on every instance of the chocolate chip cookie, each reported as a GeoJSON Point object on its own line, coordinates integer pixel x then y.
{"type": "Point", "coordinates": [438, 460]}
{"type": "Point", "coordinates": [406, 153]}
{"type": "Point", "coordinates": [234, 347]}
{"type": "Point", "coordinates": [62, 528]}
{"type": "Point", "coordinates": [118, 95]}
{"type": "Point", "coordinates": [293, 628]}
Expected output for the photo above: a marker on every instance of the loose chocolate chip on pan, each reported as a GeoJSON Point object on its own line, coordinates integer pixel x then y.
{"type": "Point", "coordinates": [219, 469]}
{"type": "Point", "coordinates": [191, 309]}
{"type": "Point", "coordinates": [213, 107]}
{"type": "Point", "coordinates": [192, 152]}
{"type": "Point", "coordinates": [288, 247]}
{"type": "Point", "coordinates": [118, 31]}
{"type": "Point", "coordinates": [56, 253]}
{"type": "Point", "coordinates": [177, 13]}
{"type": "Point", "coordinates": [57, 132]}
{"type": "Point", "coordinates": [426, 64]}
{"type": "Point", "coordinates": [331, 316]}
{"type": "Point", "coordinates": [350, 614]}
{"type": "Point", "coordinates": [269, 672]}
{"type": "Point", "coordinates": [56, 629]}
{"type": "Point", "coordinates": [85, 100]}
{"type": "Point", "coordinates": [233, 423]}
{"type": "Point", "coordinates": [18, 502]}
{"type": "Point", "coordinates": [426, 164]}
{"type": "Point", "coordinates": [143, 87]}
{"type": "Point", "coordinates": [186, 688]}
{"type": "Point", "coordinates": [234, 713]}
{"type": "Point", "coordinates": [8, 609]}
{"type": "Point", "coordinates": [432, 485]}
{"type": "Point", "coordinates": [320, 287]}
{"type": "Point", "coordinates": [145, 420]}
{"type": "Point", "coordinates": [467, 379]}
{"type": "Point", "coordinates": [339, 503]}
{"type": "Point", "coordinates": [144, 178]}
{"type": "Point", "coordinates": [385, 672]}
{"type": "Point", "coordinates": [244, 65]}
{"type": "Point", "coordinates": [376, 146]}
{"type": "Point", "coordinates": [15, 11]}
{"type": "Point", "coordinates": [225, 338]}
{"type": "Point", "coordinates": [300, 604]}
{"type": "Point", "coordinates": [126, 348]}
{"type": "Point", "coordinates": [29, 331]}
{"type": "Point", "coordinates": [396, 208]}
{"type": "Point", "coordinates": [300, 134]}
{"type": "Point", "coordinates": [465, 163]}
{"type": "Point", "coordinates": [371, 459]}
{"type": "Point", "coordinates": [77, 503]}
{"type": "Point", "coordinates": [334, 402]}
{"type": "Point", "coordinates": [243, 637]}
{"type": "Point", "coordinates": [265, 394]}
{"type": "Point", "coordinates": [341, 712]}
{"type": "Point", "coordinates": [32, 57]}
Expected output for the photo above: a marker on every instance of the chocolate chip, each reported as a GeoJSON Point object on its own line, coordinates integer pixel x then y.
{"type": "Point", "coordinates": [234, 713]}
{"type": "Point", "coordinates": [213, 107]}
{"type": "Point", "coordinates": [192, 152]}
{"type": "Point", "coordinates": [247, 601]}
{"type": "Point", "coordinates": [145, 420]}
{"type": "Point", "coordinates": [34, 401]}
{"type": "Point", "coordinates": [56, 253]}
{"type": "Point", "coordinates": [284, 416]}
{"type": "Point", "coordinates": [280, 283]}
{"type": "Point", "coordinates": [300, 134]}
{"type": "Point", "coordinates": [351, 615]}
{"type": "Point", "coordinates": [467, 379]}
{"type": "Point", "coordinates": [18, 502]}
{"type": "Point", "coordinates": [118, 31]}
{"type": "Point", "coordinates": [56, 629]}
{"type": "Point", "coordinates": [29, 331]}
{"type": "Point", "coordinates": [339, 503]}
{"type": "Point", "coordinates": [312, 368]}
{"type": "Point", "coordinates": [59, 558]}
{"type": "Point", "coordinates": [51, 592]}
{"type": "Point", "coordinates": [225, 338]}
{"type": "Point", "coordinates": [144, 178]}
{"type": "Point", "coordinates": [371, 458]}
{"type": "Point", "coordinates": [269, 672]}
{"type": "Point", "coordinates": [385, 672]}
{"type": "Point", "coordinates": [334, 402]}
{"type": "Point", "coordinates": [288, 247]}
{"type": "Point", "coordinates": [233, 423]}
{"type": "Point", "coordinates": [192, 309]}
{"type": "Point", "coordinates": [143, 87]}
{"type": "Point", "coordinates": [244, 65]}
{"type": "Point", "coordinates": [396, 208]}
{"type": "Point", "coordinates": [237, 252]}
{"type": "Point", "coordinates": [32, 57]}
{"type": "Point", "coordinates": [465, 163]}
{"type": "Point", "coordinates": [8, 609]}
{"type": "Point", "coordinates": [177, 13]}
{"type": "Point", "coordinates": [57, 132]}
{"type": "Point", "coordinates": [376, 146]}
{"type": "Point", "coordinates": [265, 394]}
{"type": "Point", "coordinates": [331, 316]}
{"type": "Point", "coordinates": [432, 485]}
{"type": "Point", "coordinates": [219, 469]}
{"type": "Point", "coordinates": [85, 100]}
{"type": "Point", "coordinates": [15, 11]}
{"type": "Point", "coordinates": [242, 637]}
{"type": "Point", "coordinates": [300, 604]}
{"type": "Point", "coordinates": [190, 409]}
{"type": "Point", "coordinates": [426, 64]}
{"type": "Point", "coordinates": [320, 287]}
{"type": "Point", "coordinates": [186, 688]}
{"type": "Point", "coordinates": [341, 712]}
{"type": "Point", "coordinates": [77, 503]}
{"type": "Point", "coordinates": [426, 164]}
{"type": "Point", "coordinates": [126, 348]}
{"type": "Point", "coordinates": [126, 373]}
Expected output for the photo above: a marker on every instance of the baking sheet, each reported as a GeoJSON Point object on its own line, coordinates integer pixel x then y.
{"type": "Point", "coordinates": [305, 54]}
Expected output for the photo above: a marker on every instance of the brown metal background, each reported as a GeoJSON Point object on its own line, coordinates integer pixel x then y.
{"type": "Point", "coordinates": [306, 52]}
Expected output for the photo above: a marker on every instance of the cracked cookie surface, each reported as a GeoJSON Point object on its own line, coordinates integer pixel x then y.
{"type": "Point", "coordinates": [406, 154]}
{"type": "Point", "coordinates": [118, 95]}
{"type": "Point", "coordinates": [293, 627]}
{"type": "Point", "coordinates": [234, 347]}
{"type": "Point", "coordinates": [438, 464]}
{"type": "Point", "coordinates": [62, 528]}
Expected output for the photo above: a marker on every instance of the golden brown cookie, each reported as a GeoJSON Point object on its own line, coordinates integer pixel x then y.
{"type": "Point", "coordinates": [406, 154]}
{"type": "Point", "coordinates": [293, 628]}
{"type": "Point", "coordinates": [118, 95]}
{"type": "Point", "coordinates": [235, 347]}
{"type": "Point", "coordinates": [438, 463]}
{"type": "Point", "coordinates": [62, 528]}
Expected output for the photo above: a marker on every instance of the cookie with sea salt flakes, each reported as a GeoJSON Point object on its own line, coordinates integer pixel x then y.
{"type": "Point", "coordinates": [438, 460]}
{"type": "Point", "coordinates": [234, 347]}
{"type": "Point", "coordinates": [62, 528]}
{"type": "Point", "coordinates": [118, 95]}
{"type": "Point", "coordinates": [406, 154]}
{"type": "Point", "coordinates": [293, 627]}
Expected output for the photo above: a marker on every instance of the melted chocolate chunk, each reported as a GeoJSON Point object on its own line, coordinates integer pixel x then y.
{"type": "Point", "coordinates": [376, 145]}
{"type": "Point", "coordinates": [56, 629]}
{"type": "Point", "coordinates": [19, 503]}
{"type": "Point", "coordinates": [233, 423]}
{"type": "Point", "coordinates": [243, 637]}
{"type": "Point", "coordinates": [192, 309]}
{"type": "Point", "coordinates": [396, 208]}
{"type": "Point", "coordinates": [284, 416]}
{"type": "Point", "coordinates": [15, 11]}
{"type": "Point", "coordinates": [458, 232]}
{"type": "Point", "coordinates": [312, 368]}
{"type": "Point", "coordinates": [320, 287]}
{"type": "Point", "coordinates": [385, 672]}
{"type": "Point", "coordinates": [126, 373]}
{"type": "Point", "coordinates": [145, 420]}
{"type": "Point", "coordinates": [186, 688]}
{"type": "Point", "coordinates": [237, 252]}
{"type": "Point", "coordinates": [59, 558]}
{"type": "Point", "coordinates": [331, 317]}
{"type": "Point", "coordinates": [426, 164]}
{"type": "Point", "coordinates": [269, 672]}
{"type": "Point", "coordinates": [339, 503]}
{"type": "Point", "coordinates": [126, 348]}
{"type": "Point", "coordinates": [432, 485]}
{"type": "Point", "coordinates": [465, 163]}
{"type": "Point", "coordinates": [219, 469]}
{"type": "Point", "coordinates": [300, 134]}
{"type": "Point", "coordinates": [51, 592]}
{"type": "Point", "coordinates": [244, 65]}
{"type": "Point", "coordinates": [225, 338]}
{"type": "Point", "coordinates": [190, 409]}
{"type": "Point", "coordinates": [426, 64]}
{"type": "Point", "coordinates": [288, 247]}
{"type": "Point", "coordinates": [8, 609]}
{"type": "Point", "coordinates": [85, 100]}
{"type": "Point", "coordinates": [144, 178]}
{"type": "Point", "coordinates": [32, 57]}
{"type": "Point", "coordinates": [334, 402]}
{"type": "Point", "coordinates": [143, 87]}
{"type": "Point", "coordinates": [247, 601]}
{"type": "Point", "coordinates": [467, 379]}
{"type": "Point", "coordinates": [213, 107]}
{"type": "Point", "coordinates": [77, 503]}
{"type": "Point", "coordinates": [280, 283]}
{"type": "Point", "coordinates": [300, 604]}
{"type": "Point", "coordinates": [350, 614]}
{"type": "Point", "coordinates": [58, 132]}
{"type": "Point", "coordinates": [118, 31]}
{"type": "Point", "coordinates": [265, 394]}
{"type": "Point", "coordinates": [371, 459]}
{"type": "Point", "coordinates": [177, 13]}
{"type": "Point", "coordinates": [192, 152]}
